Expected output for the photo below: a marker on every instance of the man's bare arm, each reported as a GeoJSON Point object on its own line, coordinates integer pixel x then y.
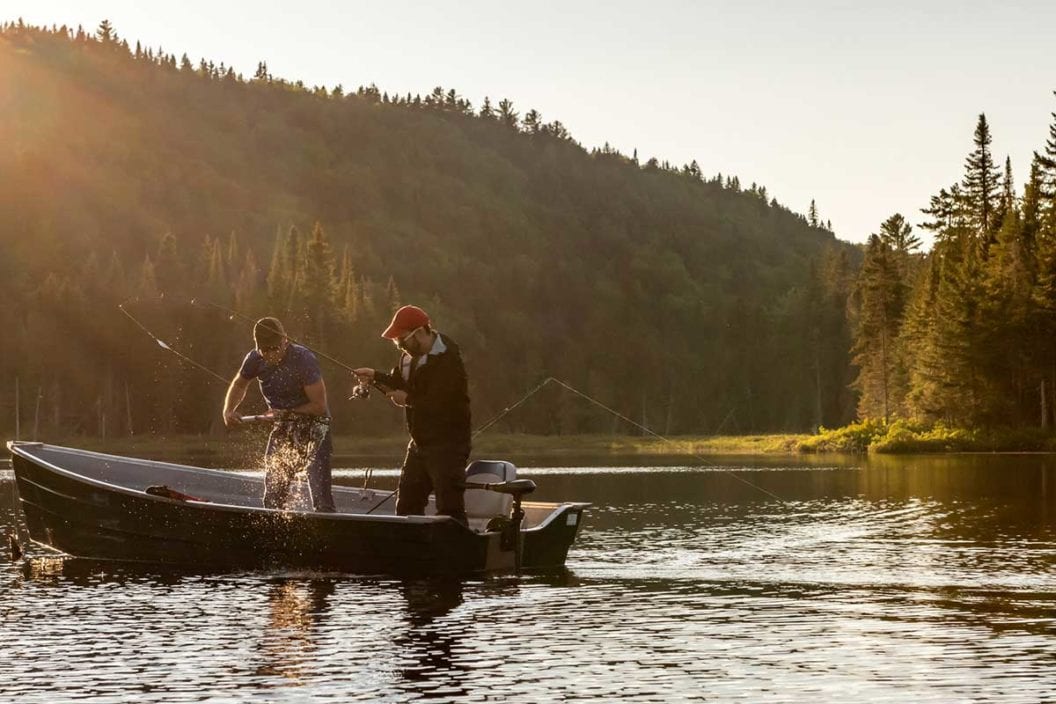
{"type": "Point", "coordinates": [236, 392]}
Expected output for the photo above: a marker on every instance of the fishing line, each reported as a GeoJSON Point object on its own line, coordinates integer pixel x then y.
{"type": "Point", "coordinates": [232, 314]}
{"type": "Point", "coordinates": [509, 408]}
{"type": "Point", "coordinates": [619, 415]}
{"type": "Point", "coordinates": [165, 346]}
{"type": "Point", "coordinates": [478, 431]}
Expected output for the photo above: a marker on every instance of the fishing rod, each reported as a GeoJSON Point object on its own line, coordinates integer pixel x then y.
{"type": "Point", "coordinates": [359, 391]}
{"type": "Point", "coordinates": [548, 380]}
{"type": "Point", "coordinates": [232, 314]}
{"type": "Point", "coordinates": [617, 414]}
{"type": "Point", "coordinates": [165, 346]}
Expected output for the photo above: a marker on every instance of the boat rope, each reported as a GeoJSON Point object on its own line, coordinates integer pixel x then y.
{"type": "Point", "coordinates": [166, 346]}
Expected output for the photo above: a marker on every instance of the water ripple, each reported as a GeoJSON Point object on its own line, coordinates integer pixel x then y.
{"type": "Point", "coordinates": [682, 587]}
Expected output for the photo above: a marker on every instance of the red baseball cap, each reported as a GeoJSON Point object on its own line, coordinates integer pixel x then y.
{"type": "Point", "coordinates": [406, 319]}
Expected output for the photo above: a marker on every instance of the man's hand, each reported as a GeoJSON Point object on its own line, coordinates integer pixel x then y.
{"type": "Point", "coordinates": [364, 375]}
{"type": "Point", "coordinates": [398, 397]}
{"type": "Point", "coordinates": [231, 419]}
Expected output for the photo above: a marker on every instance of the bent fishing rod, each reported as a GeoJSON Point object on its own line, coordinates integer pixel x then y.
{"type": "Point", "coordinates": [165, 346]}
{"type": "Point", "coordinates": [258, 418]}
{"type": "Point", "coordinates": [232, 314]}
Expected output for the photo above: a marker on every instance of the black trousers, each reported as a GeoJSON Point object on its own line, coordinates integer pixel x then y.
{"type": "Point", "coordinates": [440, 469]}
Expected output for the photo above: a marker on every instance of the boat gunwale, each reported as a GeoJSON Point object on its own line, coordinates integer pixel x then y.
{"type": "Point", "coordinates": [19, 447]}
{"type": "Point", "coordinates": [15, 448]}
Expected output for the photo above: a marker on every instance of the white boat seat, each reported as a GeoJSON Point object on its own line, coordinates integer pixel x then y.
{"type": "Point", "coordinates": [488, 504]}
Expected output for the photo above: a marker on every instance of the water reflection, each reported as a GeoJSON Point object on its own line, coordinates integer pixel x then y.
{"type": "Point", "coordinates": [425, 643]}
{"type": "Point", "coordinates": [296, 609]}
{"type": "Point", "coordinates": [881, 579]}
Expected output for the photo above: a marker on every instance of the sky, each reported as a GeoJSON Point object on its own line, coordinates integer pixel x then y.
{"type": "Point", "coordinates": [866, 110]}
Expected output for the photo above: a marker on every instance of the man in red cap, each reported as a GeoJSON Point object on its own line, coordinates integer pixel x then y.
{"type": "Point", "coordinates": [429, 383]}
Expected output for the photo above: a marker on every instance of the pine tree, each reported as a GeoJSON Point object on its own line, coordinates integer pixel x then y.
{"type": "Point", "coordinates": [960, 334]}
{"type": "Point", "coordinates": [392, 295]}
{"type": "Point", "coordinates": [1047, 161]}
{"type": "Point", "coordinates": [1047, 183]}
{"type": "Point", "coordinates": [881, 295]}
{"type": "Point", "coordinates": [232, 255]}
{"type": "Point", "coordinates": [315, 284]}
{"type": "Point", "coordinates": [1032, 203]}
{"type": "Point", "coordinates": [348, 288]}
{"type": "Point", "coordinates": [247, 290]}
{"type": "Point", "coordinates": [898, 235]}
{"type": "Point", "coordinates": [921, 355]}
{"type": "Point", "coordinates": [532, 121]}
{"type": "Point", "coordinates": [507, 115]}
{"type": "Point", "coordinates": [1007, 200]}
{"type": "Point", "coordinates": [148, 283]}
{"type": "Point", "coordinates": [1009, 316]}
{"type": "Point", "coordinates": [105, 32]}
{"type": "Point", "coordinates": [812, 214]}
{"type": "Point", "coordinates": [168, 268]}
{"type": "Point", "coordinates": [285, 265]}
{"type": "Point", "coordinates": [981, 190]}
{"type": "Point", "coordinates": [216, 275]}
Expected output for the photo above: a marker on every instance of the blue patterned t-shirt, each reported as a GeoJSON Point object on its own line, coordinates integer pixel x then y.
{"type": "Point", "coordinates": [283, 384]}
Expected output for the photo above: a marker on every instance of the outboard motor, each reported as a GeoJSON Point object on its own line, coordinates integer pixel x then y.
{"type": "Point", "coordinates": [498, 477]}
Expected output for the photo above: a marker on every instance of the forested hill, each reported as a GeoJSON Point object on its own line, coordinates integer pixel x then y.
{"type": "Point", "coordinates": [683, 300]}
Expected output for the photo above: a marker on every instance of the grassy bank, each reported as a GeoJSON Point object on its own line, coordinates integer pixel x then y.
{"type": "Point", "coordinates": [905, 437]}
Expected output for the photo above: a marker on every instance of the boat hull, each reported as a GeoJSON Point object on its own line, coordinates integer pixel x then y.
{"type": "Point", "coordinates": [91, 519]}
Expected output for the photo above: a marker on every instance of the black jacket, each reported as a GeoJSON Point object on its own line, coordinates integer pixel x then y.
{"type": "Point", "coordinates": [437, 396]}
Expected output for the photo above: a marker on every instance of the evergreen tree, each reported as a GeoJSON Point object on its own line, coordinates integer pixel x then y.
{"type": "Point", "coordinates": [284, 270]}
{"type": "Point", "coordinates": [247, 291]}
{"type": "Point", "coordinates": [881, 296]}
{"type": "Point", "coordinates": [532, 122]}
{"type": "Point", "coordinates": [348, 288]}
{"type": "Point", "coordinates": [507, 115]}
{"type": "Point", "coordinates": [315, 285]}
{"type": "Point", "coordinates": [980, 183]}
{"type": "Point", "coordinates": [105, 32]}
{"type": "Point", "coordinates": [960, 335]}
{"type": "Point", "coordinates": [148, 282]}
{"type": "Point", "coordinates": [898, 235]}
{"type": "Point", "coordinates": [169, 269]}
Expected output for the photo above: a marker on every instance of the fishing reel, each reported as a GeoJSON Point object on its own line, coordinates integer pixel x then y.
{"type": "Point", "coordinates": [360, 390]}
{"type": "Point", "coordinates": [363, 389]}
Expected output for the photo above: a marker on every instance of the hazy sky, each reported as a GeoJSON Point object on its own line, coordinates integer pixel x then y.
{"type": "Point", "coordinates": [868, 110]}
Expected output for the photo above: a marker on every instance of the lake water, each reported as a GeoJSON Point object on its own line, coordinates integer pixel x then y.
{"type": "Point", "coordinates": [884, 579]}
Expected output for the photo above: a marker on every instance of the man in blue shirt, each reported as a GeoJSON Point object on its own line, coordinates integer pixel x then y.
{"type": "Point", "coordinates": [292, 385]}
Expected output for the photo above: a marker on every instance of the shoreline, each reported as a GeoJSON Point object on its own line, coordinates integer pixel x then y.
{"type": "Point", "coordinates": [542, 446]}
{"type": "Point", "coordinates": [247, 446]}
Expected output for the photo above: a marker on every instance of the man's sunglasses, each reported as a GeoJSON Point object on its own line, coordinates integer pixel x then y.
{"type": "Point", "coordinates": [402, 342]}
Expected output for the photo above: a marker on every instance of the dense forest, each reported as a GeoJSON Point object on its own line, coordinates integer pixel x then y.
{"type": "Point", "coordinates": [965, 335]}
{"type": "Point", "coordinates": [692, 303]}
